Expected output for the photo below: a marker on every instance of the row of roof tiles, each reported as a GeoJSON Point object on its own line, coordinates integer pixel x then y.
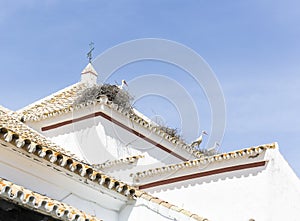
{"type": "Point", "coordinates": [54, 155]}
{"type": "Point", "coordinates": [22, 137]}
{"type": "Point", "coordinates": [26, 135]}
{"type": "Point", "coordinates": [203, 161]}
{"type": "Point", "coordinates": [63, 102]}
{"type": "Point", "coordinates": [175, 212]}
{"type": "Point", "coordinates": [53, 105]}
{"type": "Point", "coordinates": [112, 163]}
{"type": "Point", "coordinates": [43, 204]}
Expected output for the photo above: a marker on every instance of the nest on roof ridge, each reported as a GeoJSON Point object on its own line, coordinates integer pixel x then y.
{"type": "Point", "coordinates": [113, 93]}
{"type": "Point", "coordinates": [170, 131]}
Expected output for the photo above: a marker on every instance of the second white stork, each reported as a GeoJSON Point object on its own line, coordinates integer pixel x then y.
{"type": "Point", "coordinates": [212, 150]}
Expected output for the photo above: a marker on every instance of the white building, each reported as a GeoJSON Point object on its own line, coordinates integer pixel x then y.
{"type": "Point", "coordinates": [97, 161]}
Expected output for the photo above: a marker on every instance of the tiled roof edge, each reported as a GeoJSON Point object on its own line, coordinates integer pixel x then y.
{"type": "Point", "coordinates": [40, 203]}
{"type": "Point", "coordinates": [5, 110]}
{"type": "Point", "coordinates": [204, 160]}
{"type": "Point", "coordinates": [61, 160]}
{"type": "Point", "coordinates": [174, 211]}
{"type": "Point", "coordinates": [112, 163]}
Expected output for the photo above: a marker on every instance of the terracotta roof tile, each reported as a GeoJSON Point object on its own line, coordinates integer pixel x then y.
{"type": "Point", "coordinates": [22, 134]}
{"type": "Point", "coordinates": [42, 204]}
{"type": "Point", "coordinates": [156, 200]}
{"type": "Point", "coordinates": [179, 212]}
{"type": "Point", "coordinates": [27, 140]}
{"type": "Point", "coordinates": [166, 204]}
{"type": "Point", "coordinates": [112, 163]}
{"type": "Point", "coordinates": [203, 160]}
{"type": "Point", "coordinates": [53, 105]}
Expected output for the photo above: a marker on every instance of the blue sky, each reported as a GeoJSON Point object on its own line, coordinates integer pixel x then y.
{"type": "Point", "coordinates": [252, 46]}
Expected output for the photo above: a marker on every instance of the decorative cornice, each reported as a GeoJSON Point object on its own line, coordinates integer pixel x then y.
{"type": "Point", "coordinates": [202, 174]}
{"type": "Point", "coordinates": [203, 161]}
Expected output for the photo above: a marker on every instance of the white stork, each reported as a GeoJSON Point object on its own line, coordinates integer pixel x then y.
{"type": "Point", "coordinates": [199, 140]}
{"type": "Point", "coordinates": [213, 148]}
{"type": "Point", "coordinates": [122, 85]}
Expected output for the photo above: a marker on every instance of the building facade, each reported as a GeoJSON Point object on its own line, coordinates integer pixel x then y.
{"type": "Point", "coordinates": [94, 159]}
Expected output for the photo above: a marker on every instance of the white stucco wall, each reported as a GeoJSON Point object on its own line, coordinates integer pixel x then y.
{"type": "Point", "coordinates": [149, 211]}
{"type": "Point", "coordinates": [139, 212]}
{"type": "Point", "coordinates": [268, 193]}
{"type": "Point", "coordinates": [98, 140]}
{"type": "Point", "coordinates": [283, 189]}
{"type": "Point", "coordinates": [92, 208]}
{"type": "Point", "coordinates": [43, 179]}
{"type": "Point", "coordinates": [262, 194]}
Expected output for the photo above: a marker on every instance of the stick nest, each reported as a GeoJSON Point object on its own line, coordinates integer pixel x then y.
{"type": "Point", "coordinates": [113, 93]}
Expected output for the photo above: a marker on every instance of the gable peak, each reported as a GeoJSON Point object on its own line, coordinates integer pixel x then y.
{"type": "Point", "coordinates": [89, 75]}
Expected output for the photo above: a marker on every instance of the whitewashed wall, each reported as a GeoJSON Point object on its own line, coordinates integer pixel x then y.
{"type": "Point", "coordinates": [262, 194]}
{"type": "Point", "coordinates": [45, 180]}
{"type": "Point", "coordinates": [149, 211]}
{"type": "Point", "coordinates": [98, 140]}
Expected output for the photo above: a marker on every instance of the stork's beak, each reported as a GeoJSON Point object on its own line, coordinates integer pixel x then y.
{"type": "Point", "coordinates": [204, 132]}
{"type": "Point", "coordinates": [125, 83]}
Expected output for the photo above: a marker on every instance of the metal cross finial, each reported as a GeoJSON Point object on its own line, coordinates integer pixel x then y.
{"type": "Point", "coordinates": [89, 54]}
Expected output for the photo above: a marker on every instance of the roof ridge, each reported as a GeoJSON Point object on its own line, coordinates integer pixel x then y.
{"type": "Point", "coordinates": [41, 203]}
{"type": "Point", "coordinates": [48, 97]}
{"type": "Point", "coordinates": [4, 109]}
